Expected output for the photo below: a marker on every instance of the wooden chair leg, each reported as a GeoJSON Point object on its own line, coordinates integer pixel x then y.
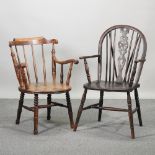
{"type": "Point", "coordinates": [70, 113]}
{"type": "Point", "coordinates": [100, 105]}
{"type": "Point", "coordinates": [19, 111]}
{"type": "Point", "coordinates": [49, 108]}
{"type": "Point", "coordinates": [138, 107]}
{"type": "Point", "coordinates": [80, 109]}
{"type": "Point", "coordinates": [35, 114]}
{"type": "Point", "coordinates": [130, 115]}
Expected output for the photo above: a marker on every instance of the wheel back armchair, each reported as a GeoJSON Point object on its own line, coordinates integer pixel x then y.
{"type": "Point", "coordinates": [31, 64]}
{"type": "Point", "coordinates": [121, 55]}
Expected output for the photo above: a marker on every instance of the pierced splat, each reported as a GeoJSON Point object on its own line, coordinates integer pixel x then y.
{"type": "Point", "coordinates": [123, 46]}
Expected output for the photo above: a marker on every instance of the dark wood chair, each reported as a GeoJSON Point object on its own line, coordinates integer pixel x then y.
{"type": "Point", "coordinates": [119, 69]}
{"type": "Point", "coordinates": [30, 63]}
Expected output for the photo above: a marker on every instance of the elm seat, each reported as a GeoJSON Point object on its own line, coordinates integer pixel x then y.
{"type": "Point", "coordinates": [41, 88]}
{"type": "Point", "coordinates": [112, 86]}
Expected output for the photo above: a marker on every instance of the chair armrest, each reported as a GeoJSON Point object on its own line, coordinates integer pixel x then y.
{"type": "Point", "coordinates": [66, 61]}
{"type": "Point", "coordinates": [91, 56]}
{"type": "Point", "coordinates": [140, 60]}
{"type": "Point", "coordinates": [20, 72]}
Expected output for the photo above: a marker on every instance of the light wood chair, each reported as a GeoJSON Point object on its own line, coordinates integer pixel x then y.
{"type": "Point", "coordinates": [120, 58]}
{"type": "Point", "coordinates": [25, 54]}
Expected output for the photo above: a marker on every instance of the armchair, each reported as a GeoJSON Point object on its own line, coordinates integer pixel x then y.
{"type": "Point", "coordinates": [31, 82]}
{"type": "Point", "coordinates": [121, 55]}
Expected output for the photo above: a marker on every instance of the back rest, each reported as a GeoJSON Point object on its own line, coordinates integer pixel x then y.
{"type": "Point", "coordinates": [30, 53]}
{"type": "Point", "coordinates": [122, 50]}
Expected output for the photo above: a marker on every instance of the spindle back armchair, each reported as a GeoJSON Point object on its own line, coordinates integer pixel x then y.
{"type": "Point", "coordinates": [121, 55]}
{"type": "Point", "coordinates": [31, 64]}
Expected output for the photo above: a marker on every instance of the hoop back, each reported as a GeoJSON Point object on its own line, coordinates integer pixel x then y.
{"type": "Point", "coordinates": [122, 48]}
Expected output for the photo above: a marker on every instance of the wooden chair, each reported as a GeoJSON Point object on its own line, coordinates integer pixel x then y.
{"type": "Point", "coordinates": [25, 54]}
{"type": "Point", "coordinates": [124, 50]}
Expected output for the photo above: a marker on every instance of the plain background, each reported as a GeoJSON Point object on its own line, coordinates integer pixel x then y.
{"type": "Point", "coordinates": [77, 24]}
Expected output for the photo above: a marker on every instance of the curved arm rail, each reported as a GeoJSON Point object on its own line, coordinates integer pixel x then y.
{"type": "Point", "coordinates": [91, 56]}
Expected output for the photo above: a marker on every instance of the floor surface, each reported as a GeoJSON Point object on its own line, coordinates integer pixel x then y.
{"type": "Point", "coordinates": [111, 136]}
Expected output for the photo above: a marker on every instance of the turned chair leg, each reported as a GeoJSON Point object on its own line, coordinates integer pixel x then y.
{"type": "Point", "coordinates": [49, 108]}
{"type": "Point", "coordinates": [70, 113]}
{"type": "Point", "coordinates": [35, 114]}
{"type": "Point", "coordinates": [100, 105]}
{"type": "Point", "coordinates": [130, 114]}
{"type": "Point", "coordinates": [19, 111]}
{"type": "Point", "coordinates": [80, 109]}
{"type": "Point", "coordinates": [138, 107]}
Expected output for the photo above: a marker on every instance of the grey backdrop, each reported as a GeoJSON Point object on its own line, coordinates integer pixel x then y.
{"type": "Point", "coordinates": [77, 24]}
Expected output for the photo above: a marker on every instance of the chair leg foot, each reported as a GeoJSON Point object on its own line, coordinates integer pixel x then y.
{"type": "Point", "coordinates": [35, 114]}
{"type": "Point", "coordinates": [80, 109]}
{"type": "Point", "coordinates": [49, 108]}
{"type": "Point", "coordinates": [48, 118]}
{"type": "Point", "coordinates": [35, 132]}
{"type": "Point", "coordinates": [20, 105]}
{"type": "Point", "coordinates": [100, 105]}
{"type": "Point", "coordinates": [138, 107]}
{"type": "Point", "coordinates": [70, 112]}
{"type": "Point", "coordinates": [130, 114]}
{"type": "Point", "coordinates": [75, 127]}
{"type": "Point", "coordinates": [17, 122]}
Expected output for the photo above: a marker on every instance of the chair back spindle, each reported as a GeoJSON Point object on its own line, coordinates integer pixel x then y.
{"type": "Point", "coordinates": [44, 66]}
{"type": "Point", "coordinates": [53, 64]}
{"type": "Point", "coordinates": [27, 68]}
{"type": "Point", "coordinates": [34, 64]}
{"type": "Point", "coordinates": [69, 73]}
{"type": "Point", "coordinates": [61, 74]}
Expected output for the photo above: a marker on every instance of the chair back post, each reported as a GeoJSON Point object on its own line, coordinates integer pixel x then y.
{"type": "Point", "coordinates": [99, 63]}
{"type": "Point", "coordinates": [15, 63]}
{"type": "Point", "coordinates": [27, 67]}
{"type": "Point", "coordinates": [61, 74]}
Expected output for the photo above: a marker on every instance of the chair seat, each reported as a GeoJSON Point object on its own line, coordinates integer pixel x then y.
{"type": "Point", "coordinates": [43, 88]}
{"type": "Point", "coordinates": [110, 86]}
